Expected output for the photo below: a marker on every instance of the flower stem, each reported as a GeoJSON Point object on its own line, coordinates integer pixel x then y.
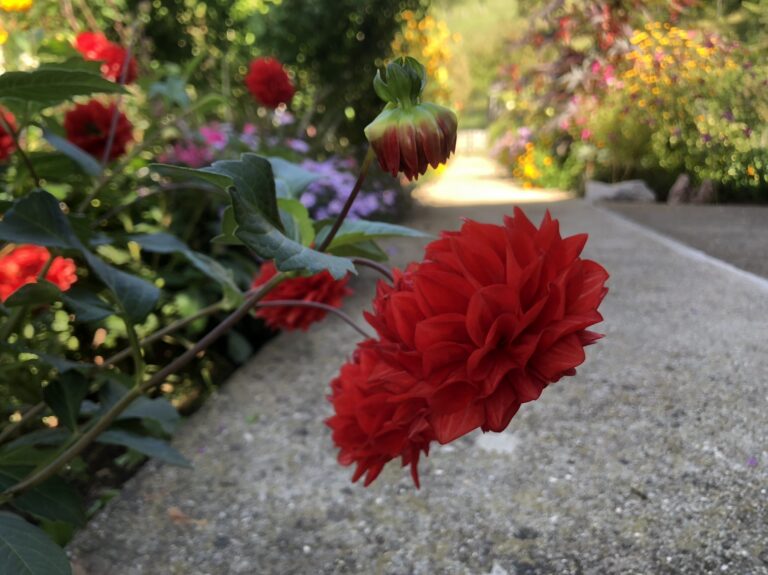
{"type": "Point", "coordinates": [317, 305]}
{"type": "Point", "coordinates": [369, 156]}
{"type": "Point", "coordinates": [382, 269]}
{"type": "Point", "coordinates": [19, 150]}
{"type": "Point", "coordinates": [31, 413]}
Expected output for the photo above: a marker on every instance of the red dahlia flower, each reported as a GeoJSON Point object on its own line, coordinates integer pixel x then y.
{"type": "Point", "coordinates": [87, 126]}
{"type": "Point", "coordinates": [492, 316]}
{"type": "Point", "coordinates": [24, 264]}
{"type": "Point", "coordinates": [95, 46]}
{"type": "Point", "coordinates": [6, 140]}
{"type": "Point", "coordinates": [408, 136]}
{"type": "Point", "coordinates": [320, 288]}
{"type": "Point", "coordinates": [268, 83]}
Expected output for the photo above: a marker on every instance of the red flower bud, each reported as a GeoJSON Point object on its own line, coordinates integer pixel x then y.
{"type": "Point", "coordinates": [95, 46]}
{"type": "Point", "coordinates": [88, 126]}
{"type": "Point", "coordinates": [409, 135]}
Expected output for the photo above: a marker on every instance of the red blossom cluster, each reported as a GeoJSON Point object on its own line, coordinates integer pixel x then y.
{"type": "Point", "coordinates": [95, 46]}
{"type": "Point", "coordinates": [320, 288]}
{"type": "Point", "coordinates": [23, 265]}
{"type": "Point", "coordinates": [6, 140]}
{"type": "Point", "coordinates": [489, 318]}
{"type": "Point", "coordinates": [268, 83]}
{"type": "Point", "coordinates": [88, 127]}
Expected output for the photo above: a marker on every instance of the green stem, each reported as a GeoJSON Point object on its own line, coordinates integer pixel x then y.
{"type": "Point", "coordinates": [31, 413]}
{"type": "Point", "coordinates": [138, 358]}
{"type": "Point", "coordinates": [19, 150]}
{"type": "Point", "coordinates": [80, 442]}
{"type": "Point", "coordinates": [369, 156]}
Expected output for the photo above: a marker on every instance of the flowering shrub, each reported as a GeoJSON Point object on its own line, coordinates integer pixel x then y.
{"type": "Point", "coordinates": [632, 98]}
{"type": "Point", "coordinates": [7, 126]}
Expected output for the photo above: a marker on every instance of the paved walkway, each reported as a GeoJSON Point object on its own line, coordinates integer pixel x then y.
{"type": "Point", "coordinates": [652, 460]}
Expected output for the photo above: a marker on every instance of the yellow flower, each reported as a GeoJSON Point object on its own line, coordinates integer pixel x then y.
{"type": "Point", "coordinates": [15, 5]}
{"type": "Point", "coordinates": [3, 35]}
{"type": "Point", "coordinates": [751, 171]}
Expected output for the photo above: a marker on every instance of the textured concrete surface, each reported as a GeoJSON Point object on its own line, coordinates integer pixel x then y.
{"type": "Point", "coordinates": [736, 234]}
{"type": "Point", "coordinates": [652, 460]}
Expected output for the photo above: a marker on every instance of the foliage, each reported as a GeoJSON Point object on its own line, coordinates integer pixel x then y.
{"type": "Point", "coordinates": [625, 97]}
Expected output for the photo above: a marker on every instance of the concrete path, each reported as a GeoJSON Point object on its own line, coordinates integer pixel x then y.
{"type": "Point", "coordinates": [653, 460]}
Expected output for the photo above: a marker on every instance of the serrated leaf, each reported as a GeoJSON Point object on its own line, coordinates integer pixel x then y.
{"type": "Point", "coordinates": [150, 446]}
{"type": "Point", "coordinates": [53, 499]}
{"type": "Point", "coordinates": [356, 231]}
{"type": "Point", "coordinates": [27, 550]}
{"type": "Point", "coordinates": [64, 396]}
{"type": "Point", "coordinates": [251, 174]}
{"type": "Point", "coordinates": [87, 162]}
{"type": "Point", "coordinates": [53, 85]}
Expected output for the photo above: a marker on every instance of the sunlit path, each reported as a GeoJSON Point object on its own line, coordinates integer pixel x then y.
{"type": "Point", "coordinates": [477, 179]}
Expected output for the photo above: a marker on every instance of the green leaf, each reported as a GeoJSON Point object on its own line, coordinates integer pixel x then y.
{"type": "Point", "coordinates": [293, 178]}
{"type": "Point", "coordinates": [87, 306]}
{"type": "Point", "coordinates": [251, 174]}
{"type": "Point", "coordinates": [27, 550]}
{"type": "Point", "coordinates": [298, 219]}
{"type": "Point", "coordinates": [238, 347]}
{"type": "Point", "coordinates": [136, 297]}
{"type": "Point", "coordinates": [228, 229]}
{"type": "Point", "coordinates": [37, 219]}
{"type": "Point", "coordinates": [158, 409]}
{"type": "Point", "coordinates": [368, 249]}
{"type": "Point", "coordinates": [24, 456]}
{"type": "Point", "coordinates": [64, 396]}
{"type": "Point", "coordinates": [48, 437]}
{"type": "Point", "coordinates": [53, 85]}
{"type": "Point", "coordinates": [34, 294]}
{"type": "Point", "coordinates": [53, 499]}
{"type": "Point", "coordinates": [74, 62]}
{"type": "Point", "coordinates": [163, 243]}
{"type": "Point", "coordinates": [356, 231]}
{"type": "Point", "coordinates": [150, 446]}
{"type": "Point", "coordinates": [270, 243]}
{"type": "Point", "coordinates": [87, 162]}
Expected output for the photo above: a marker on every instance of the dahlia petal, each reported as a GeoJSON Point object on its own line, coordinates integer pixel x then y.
{"type": "Point", "coordinates": [447, 327]}
{"type": "Point", "coordinates": [592, 288]}
{"type": "Point", "coordinates": [551, 362]}
{"type": "Point", "coordinates": [452, 398]}
{"type": "Point", "coordinates": [500, 408]}
{"type": "Point", "coordinates": [449, 427]}
{"type": "Point", "coordinates": [527, 387]}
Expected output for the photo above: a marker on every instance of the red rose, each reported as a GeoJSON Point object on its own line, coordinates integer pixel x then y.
{"type": "Point", "coordinates": [321, 288]}
{"type": "Point", "coordinates": [87, 126]}
{"type": "Point", "coordinates": [24, 264]}
{"type": "Point", "coordinates": [6, 140]}
{"type": "Point", "coordinates": [268, 83]}
{"type": "Point", "coordinates": [492, 316]}
{"type": "Point", "coordinates": [377, 416]}
{"type": "Point", "coordinates": [95, 46]}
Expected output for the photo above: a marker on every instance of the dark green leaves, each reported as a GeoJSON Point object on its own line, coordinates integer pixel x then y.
{"type": "Point", "coordinates": [37, 219]}
{"type": "Point", "coordinates": [53, 85]}
{"type": "Point", "coordinates": [151, 446]}
{"type": "Point", "coordinates": [87, 162]}
{"type": "Point", "coordinates": [64, 396]}
{"type": "Point", "coordinates": [27, 550]}
{"type": "Point", "coordinates": [53, 499]}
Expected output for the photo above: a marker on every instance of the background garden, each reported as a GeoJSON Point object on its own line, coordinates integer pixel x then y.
{"type": "Point", "coordinates": [568, 90]}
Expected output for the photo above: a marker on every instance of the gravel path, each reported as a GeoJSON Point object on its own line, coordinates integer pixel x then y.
{"type": "Point", "coordinates": [652, 460]}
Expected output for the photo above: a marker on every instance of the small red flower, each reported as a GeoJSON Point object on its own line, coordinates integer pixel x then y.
{"type": "Point", "coordinates": [320, 288]}
{"type": "Point", "coordinates": [87, 126]}
{"type": "Point", "coordinates": [95, 46]}
{"type": "Point", "coordinates": [268, 83]}
{"type": "Point", "coordinates": [6, 140]}
{"type": "Point", "coordinates": [24, 264]}
{"type": "Point", "coordinates": [489, 318]}
{"type": "Point", "coordinates": [378, 418]}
